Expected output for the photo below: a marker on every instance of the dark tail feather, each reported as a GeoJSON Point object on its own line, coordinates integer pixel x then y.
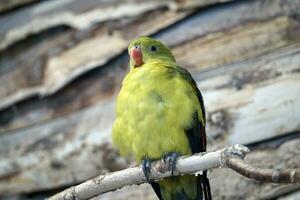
{"type": "Point", "coordinates": [156, 189]}
{"type": "Point", "coordinates": [202, 189]}
{"type": "Point", "coordinates": [199, 187]}
{"type": "Point", "coordinates": [205, 186]}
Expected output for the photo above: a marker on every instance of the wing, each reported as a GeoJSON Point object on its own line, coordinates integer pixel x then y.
{"type": "Point", "coordinates": [197, 137]}
{"type": "Point", "coordinates": [196, 134]}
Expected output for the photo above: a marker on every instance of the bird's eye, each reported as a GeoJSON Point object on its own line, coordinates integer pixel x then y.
{"type": "Point", "coordinates": [153, 48]}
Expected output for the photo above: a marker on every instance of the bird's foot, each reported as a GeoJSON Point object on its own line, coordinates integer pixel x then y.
{"type": "Point", "coordinates": [171, 158]}
{"type": "Point", "coordinates": [146, 166]}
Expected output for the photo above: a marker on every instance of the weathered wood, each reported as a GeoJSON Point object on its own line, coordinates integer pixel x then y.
{"type": "Point", "coordinates": [73, 13]}
{"type": "Point", "coordinates": [53, 69]}
{"type": "Point", "coordinates": [222, 18]}
{"type": "Point", "coordinates": [255, 38]}
{"type": "Point", "coordinates": [261, 95]}
{"type": "Point", "coordinates": [5, 6]}
{"type": "Point", "coordinates": [80, 15]}
{"type": "Point", "coordinates": [134, 192]}
{"type": "Point", "coordinates": [94, 88]}
{"type": "Point", "coordinates": [27, 151]}
{"type": "Point", "coordinates": [60, 148]}
{"type": "Point", "coordinates": [295, 195]}
{"type": "Point", "coordinates": [246, 63]}
{"type": "Point", "coordinates": [67, 54]}
{"type": "Point", "coordinates": [277, 34]}
{"type": "Point", "coordinates": [187, 4]}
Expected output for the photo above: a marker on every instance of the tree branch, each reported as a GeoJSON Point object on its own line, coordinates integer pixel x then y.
{"type": "Point", "coordinates": [231, 157]}
{"type": "Point", "coordinates": [265, 175]}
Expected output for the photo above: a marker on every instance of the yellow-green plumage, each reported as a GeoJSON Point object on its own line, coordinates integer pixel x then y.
{"type": "Point", "coordinates": [148, 109]}
{"type": "Point", "coordinates": [154, 109]}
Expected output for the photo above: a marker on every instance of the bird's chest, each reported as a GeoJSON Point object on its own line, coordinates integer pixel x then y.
{"type": "Point", "coordinates": [155, 97]}
{"type": "Point", "coordinates": [155, 111]}
{"type": "Point", "coordinates": [149, 103]}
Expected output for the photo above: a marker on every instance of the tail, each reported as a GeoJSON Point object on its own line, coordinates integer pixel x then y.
{"type": "Point", "coordinates": [186, 187]}
{"type": "Point", "coordinates": [205, 186]}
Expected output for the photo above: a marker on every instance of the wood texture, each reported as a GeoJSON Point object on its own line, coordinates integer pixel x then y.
{"type": "Point", "coordinates": [6, 6]}
{"type": "Point", "coordinates": [68, 54]}
{"type": "Point", "coordinates": [59, 81]}
{"type": "Point", "coordinates": [47, 56]}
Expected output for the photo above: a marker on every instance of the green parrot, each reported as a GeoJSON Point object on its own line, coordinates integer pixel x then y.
{"type": "Point", "coordinates": [160, 114]}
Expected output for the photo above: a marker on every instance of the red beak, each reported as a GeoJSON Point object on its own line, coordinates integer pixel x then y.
{"type": "Point", "coordinates": [136, 55]}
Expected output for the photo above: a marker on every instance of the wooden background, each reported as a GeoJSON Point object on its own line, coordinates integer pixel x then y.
{"type": "Point", "coordinates": [61, 67]}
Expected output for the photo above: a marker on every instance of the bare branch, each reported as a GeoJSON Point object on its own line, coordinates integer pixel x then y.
{"type": "Point", "coordinates": [265, 175]}
{"type": "Point", "coordinates": [231, 157]}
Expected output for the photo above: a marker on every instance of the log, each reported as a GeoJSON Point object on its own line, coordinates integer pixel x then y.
{"type": "Point", "coordinates": [87, 132]}
{"type": "Point", "coordinates": [6, 6]}
{"type": "Point", "coordinates": [222, 24]}
{"type": "Point", "coordinates": [66, 54]}
{"type": "Point", "coordinates": [57, 103]}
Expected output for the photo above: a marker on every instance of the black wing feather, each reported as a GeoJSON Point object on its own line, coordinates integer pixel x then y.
{"type": "Point", "coordinates": [197, 137]}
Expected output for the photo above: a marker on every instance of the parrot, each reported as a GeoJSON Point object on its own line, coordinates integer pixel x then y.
{"type": "Point", "coordinates": [160, 114]}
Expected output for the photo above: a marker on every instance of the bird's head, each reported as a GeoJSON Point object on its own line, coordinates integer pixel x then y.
{"type": "Point", "coordinates": [145, 49]}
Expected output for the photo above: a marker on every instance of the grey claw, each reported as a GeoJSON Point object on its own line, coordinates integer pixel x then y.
{"type": "Point", "coordinates": [146, 165]}
{"type": "Point", "coordinates": [171, 159]}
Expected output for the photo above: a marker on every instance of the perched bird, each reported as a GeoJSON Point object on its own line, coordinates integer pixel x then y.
{"type": "Point", "coordinates": [160, 114]}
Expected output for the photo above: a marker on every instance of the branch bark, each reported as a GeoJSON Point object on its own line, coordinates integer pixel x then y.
{"type": "Point", "coordinates": [265, 175]}
{"type": "Point", "coordinates": [231, 157]}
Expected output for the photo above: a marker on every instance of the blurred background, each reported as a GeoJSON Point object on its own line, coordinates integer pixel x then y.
{"type": "Point", "coordinates": [61, 67]}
